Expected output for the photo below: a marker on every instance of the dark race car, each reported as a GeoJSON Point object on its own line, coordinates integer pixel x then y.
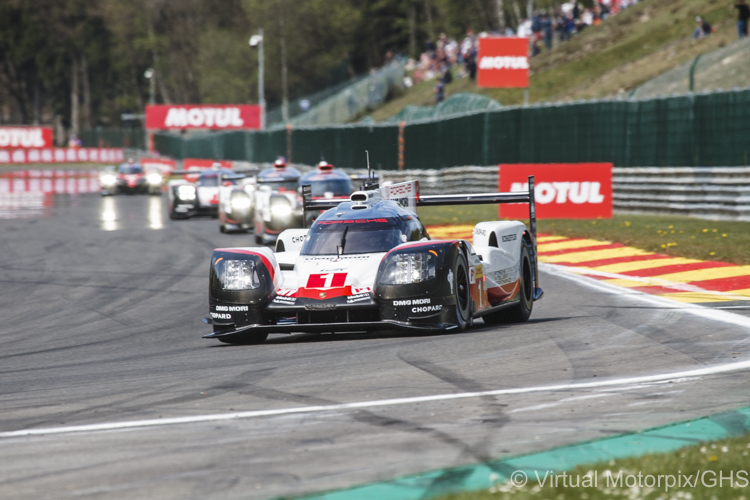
{"type": "Point", "coordinates": [187, 199]}
{"type": "Point", "coordinates": [130, 178]}
{"type": "Point", "coordinates": [368, 264]}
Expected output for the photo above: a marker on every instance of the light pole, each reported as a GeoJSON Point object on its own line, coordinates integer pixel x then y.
{"type": "Point", "coordinates": [150, 74]}
{"type": "Point", "coordinates": [257, 41]}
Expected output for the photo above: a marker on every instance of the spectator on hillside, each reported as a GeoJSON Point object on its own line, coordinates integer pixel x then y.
{"type": "Point", "coordinates": [703, 29]}
{"type": "Point", "coordinates": [439, 92]}
{"type": "Point", "coordinates": [743, 14]}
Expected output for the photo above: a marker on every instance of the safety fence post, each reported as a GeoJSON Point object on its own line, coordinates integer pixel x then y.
{"type": "Point", "coordinates": [401, 144]}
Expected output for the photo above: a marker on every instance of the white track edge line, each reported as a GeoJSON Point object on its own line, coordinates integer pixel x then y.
{"type": "Point", "coordinates": [559, 271]}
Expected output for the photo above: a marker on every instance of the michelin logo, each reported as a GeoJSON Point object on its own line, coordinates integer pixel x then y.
{"type": "Point", "coordinates": [358, 297]}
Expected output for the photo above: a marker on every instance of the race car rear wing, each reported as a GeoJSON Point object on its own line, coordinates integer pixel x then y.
{"type": "Point", "coordinates": [413, 199]}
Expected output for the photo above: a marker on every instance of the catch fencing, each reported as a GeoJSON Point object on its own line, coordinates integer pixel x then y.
{"type": "Point", "coordinates": [688, 130]}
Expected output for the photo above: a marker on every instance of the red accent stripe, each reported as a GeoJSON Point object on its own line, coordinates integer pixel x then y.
{"type": "Point", "coordinates": [724, 284]}
{"type": "Point", "coordinates": [676, 268]}
{"type": "Point", "coordinates": [263, 258]}
{"type": "Point", "coordinates": [603, 246]}
{"type": "Point", "coordinates": [616, 260]}
{"type": "Point", "coordinates": [330, 293]}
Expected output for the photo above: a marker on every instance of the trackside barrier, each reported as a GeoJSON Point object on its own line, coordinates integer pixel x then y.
{"type": "Point", "coordinates": [688, 130]}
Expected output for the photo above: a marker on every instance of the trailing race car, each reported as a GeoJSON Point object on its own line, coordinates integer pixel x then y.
{"type": "Point", "coordinates": [237, 205]}
{"type": "Point", "coordinates": [368, 264]}
{"type": "Point", "coordinates": [187, 199]}
{"type": "Point", "coordinates": [327, 183]}
{"type": "Point", "coordinates": [129, 178]}
{"type": "Point", "coordinates": [277, 204]}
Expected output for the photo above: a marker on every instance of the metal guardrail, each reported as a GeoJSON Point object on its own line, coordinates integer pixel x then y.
{"type": "Point", "coordinates": [707, 192]}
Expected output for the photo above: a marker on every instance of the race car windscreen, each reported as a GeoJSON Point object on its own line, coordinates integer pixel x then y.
{"type": "Point", "coordinates": [280, 185]}
{"type": "Point", "coordinates": [338, 187]}
{"type": "Point", "coordinates": [131, 169]}
{"type": "Point", "coordinates": [334, 238]}
{"type": "Point", "coordinates": [209, 181]}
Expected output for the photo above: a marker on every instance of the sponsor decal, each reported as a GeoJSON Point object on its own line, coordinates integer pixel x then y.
{"type": "Point", "coordinates": [280, 299]}
{"type": "Point", "coordinates": [328, 280]}
{"type": "Point", "coordinates": [196, 116]}
{"type": "Point", "coordinates": [404, 193]}
{"type": "Point", "coordinates": [26, 137]}
{"type": "Point", "coordinates": [472, 275]}
{"type": "Point", "coordinates": [425, 309]}
{"type": "Point", "coordinates": [480, 232]}
{"type": "Point", "coordinates": [410, 302]}
{"type": "Point", "coordinates": [450, 279]}
{"type": "Point", "coordinates": [357, 290]}
{"type": "Point", "coordinates": [561, 191]}
{"type": "Point", "coordinates": [231, 308]}
{"type": "Point", "coordinates": [336, 258]}
{"type": "Point", "coordinates": [357, 298]}
{"type": "Point", "coordinates": [298, 239]}
{"type": "Point", "coordinates": [286, 292]}
{"type": "Point", "coordinates": [505, 276]}
{"type": "Point", "coordinates": [221, 316]}
{"type": "Point", "coordinates": [509, 237]}
{"type": "Point", "coordinates": [503, 62]}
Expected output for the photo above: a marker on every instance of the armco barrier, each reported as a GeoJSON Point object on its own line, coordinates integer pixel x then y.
{"type": "Point", "coordinates": [707, 192]}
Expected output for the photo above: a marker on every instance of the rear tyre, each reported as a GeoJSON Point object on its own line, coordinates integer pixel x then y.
{"type": "Point", "coordinates": [462, 293]}
{"type": "Point", "coordinates": [521, 312]}
{"type": "Point", "coordinates": [222, 228]}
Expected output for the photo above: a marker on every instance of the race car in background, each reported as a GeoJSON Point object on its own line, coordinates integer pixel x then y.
{"type": "Point", "coordinates": [368, 264]}
{"type": "Point", "coordinates": [188, 199]}
{"type": "Point", "coordinates": [327, 183]}
{"type": "Point", "coordinates": [129, 178]}
{"type": "Point", "coordinates": [277, 204]}
{"type": "Point", "coordinates": [237, 205]}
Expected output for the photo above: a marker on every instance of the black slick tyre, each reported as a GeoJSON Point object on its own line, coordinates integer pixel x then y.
{"type": "Point", "coordinates": [521, 312]}
{"type": "Point", "coordinates": [462, 293]}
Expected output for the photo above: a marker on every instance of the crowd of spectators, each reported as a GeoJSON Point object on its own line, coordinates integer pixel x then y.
{"type": "Point", "coordinates": [543, 31]}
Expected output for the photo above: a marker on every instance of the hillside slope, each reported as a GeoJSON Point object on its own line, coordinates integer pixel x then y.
{"type": "Point", "coordinates": [617, 56]}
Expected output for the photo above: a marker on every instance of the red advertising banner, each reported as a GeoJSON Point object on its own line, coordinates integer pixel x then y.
{"type": "Point", "coordinates": [163, 165]}
{"type": "Point", "coordinates": [562, 190]}
{"type": "Point", "coordinates": [26, 137]}
{"type": "Point", "coordinates": [503, 62]}
{"type": "Point", "coordinates": [199, 164]}
{"type": "Point", "coordinates": [203, 116]}
{"type": "Point", "coordinates": [62, 155]}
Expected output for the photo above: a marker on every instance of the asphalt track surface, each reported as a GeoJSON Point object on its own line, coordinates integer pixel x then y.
{"type": "Point", "coordinates": [102, 300]}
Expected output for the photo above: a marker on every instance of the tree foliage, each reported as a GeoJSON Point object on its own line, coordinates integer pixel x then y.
{"type": "Point", "coordinates": [84, 60]}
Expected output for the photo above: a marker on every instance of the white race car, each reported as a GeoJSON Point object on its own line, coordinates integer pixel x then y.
{"type": "Point", "coordinates": [368, 264]}
{"type": "Point", "coordinates": [187, 199]}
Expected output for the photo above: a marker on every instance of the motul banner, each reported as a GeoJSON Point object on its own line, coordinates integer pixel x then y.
{"type": "Point", "coordinates": [503, 62]}
{"type": "Point", "coordinates": [26, 137]}
{"type": "Point", "coordinates": [562, 190]}
{"type": "Point", "coordinates": [62, 155]}
{"type": "Point", "coordinates": [163, 165]}
{"type": "Point", "coordinates": [203, 116]}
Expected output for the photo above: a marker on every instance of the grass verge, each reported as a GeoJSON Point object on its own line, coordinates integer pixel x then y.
{"type": "Point", "coordinates": [705, 465]}
{"type": "Point", "coordinates": [727, 241]}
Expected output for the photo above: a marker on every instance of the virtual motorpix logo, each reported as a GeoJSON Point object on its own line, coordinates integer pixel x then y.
{"type": "Point", "coordinates": [631, 479]}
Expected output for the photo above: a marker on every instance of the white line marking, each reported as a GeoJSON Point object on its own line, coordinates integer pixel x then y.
{"type": "Point", "coordinates": [560, 271]}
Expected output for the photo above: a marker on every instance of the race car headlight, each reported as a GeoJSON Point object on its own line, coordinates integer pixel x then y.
{"type": "Point", "coordinates": [186, 193]}
{"type": "Point", "coordinates": [404, 269]}
{"type": "Point", "coordinates": [279, 210]}
{"type": "Point", "coordinates": [240, 203]}
{"type": "Point", "coordinates": [108, 179]}
{"type": "Point", "coordinates": [153, 178]}
{"type": "Point", "coordinates": [237, 274]}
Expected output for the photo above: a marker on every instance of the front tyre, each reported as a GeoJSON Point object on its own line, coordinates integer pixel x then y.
{"type": "Point", "coordinates": [462, 293]}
